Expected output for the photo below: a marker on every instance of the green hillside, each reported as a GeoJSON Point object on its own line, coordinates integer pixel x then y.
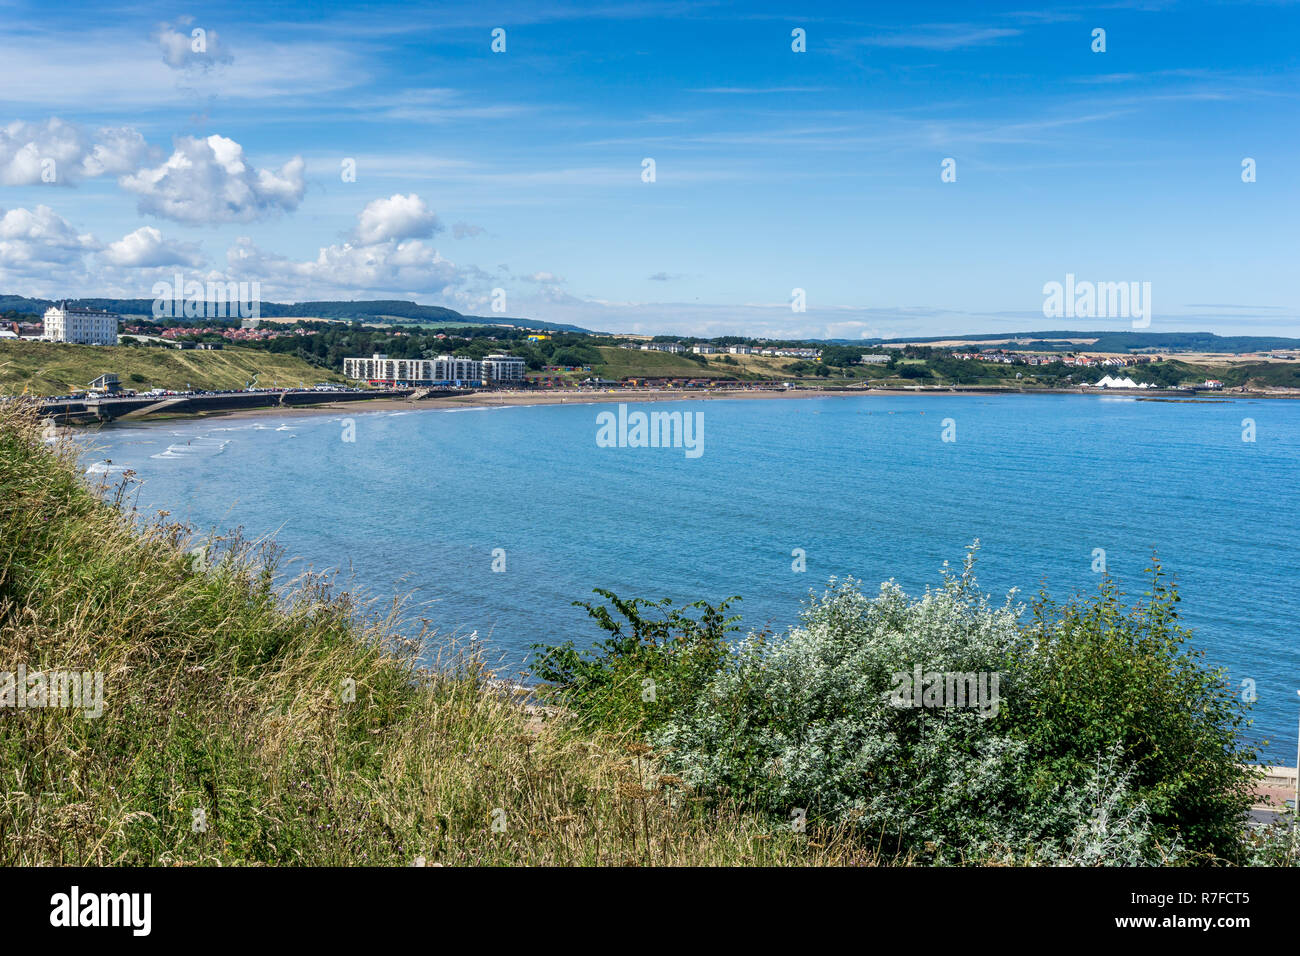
{"type": "Point", "coordinates": [1263, 375]}
{"type": "Point", "coordinates": [622, 363]}
{"type": "Point", "coordinates": [49, 368]}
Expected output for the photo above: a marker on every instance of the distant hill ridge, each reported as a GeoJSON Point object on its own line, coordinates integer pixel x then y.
{"type": "Point", "coordinates": [372, 310]}
{"type": "Point", "coordinates": [395, 311]}
{"type": "Point", "coordinates": [1111, 341]}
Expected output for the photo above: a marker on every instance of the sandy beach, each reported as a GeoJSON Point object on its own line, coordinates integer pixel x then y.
{"type": "Point", "coordinates": [553, 397]}
{"type": "Point", "coordinates": [630, 396]}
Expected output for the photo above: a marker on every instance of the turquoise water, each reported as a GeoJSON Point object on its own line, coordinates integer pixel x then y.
{"type": "Point", "coordinates": [865, 485]}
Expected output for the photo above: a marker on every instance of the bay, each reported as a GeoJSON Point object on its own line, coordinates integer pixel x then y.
{"type": "Point", "coordinates": [426, 502]}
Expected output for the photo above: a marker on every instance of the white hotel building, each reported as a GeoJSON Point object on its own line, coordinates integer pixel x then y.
{"type": "Point", "coordinates": [380, 369]}
{"type": "Point", "coordinates": [82, 326]}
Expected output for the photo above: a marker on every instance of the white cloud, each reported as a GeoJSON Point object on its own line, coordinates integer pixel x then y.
{"type": "Point", "coordinates": [126, 72]}
{"type": "Point", "coordinates": [465, 230]}
{"type": "Point", "coordinates": [195, 48]}
{"type": "Point", "coordinates": [940, 36]}
{"type": "Point", "coordinates": [146, 248]}
{"type": "Point", "coordinates": [398, 217]}
{"type": "Point", "coordinates": [59, 152]}
{"type": "Point", "coordinates": [385, 257]}
{"type": "Point", "coordinates": [32, 240]}
{"type": "Point", "coordinates": [119, 150]}
{"type": "Point", "coordinates": [26, 147]}
{"type": "Point", "coordinates": [208, 181]}
{"type": "Point", "coordinates": [408, 268]}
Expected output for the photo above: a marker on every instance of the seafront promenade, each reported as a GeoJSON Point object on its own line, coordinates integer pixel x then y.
{"type": "Point", "coordinates": [85, 410]}
{"type": "Point", "coordinates": [1276, 786]}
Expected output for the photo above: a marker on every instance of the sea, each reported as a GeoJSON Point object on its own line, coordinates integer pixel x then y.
{"type": "Point", "coordinates": [491, 522]}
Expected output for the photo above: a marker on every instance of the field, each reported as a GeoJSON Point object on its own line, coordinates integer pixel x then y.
{"type": "Point", "coordinates": [49, 368]}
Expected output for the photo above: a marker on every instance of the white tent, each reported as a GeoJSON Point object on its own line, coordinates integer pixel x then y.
{"type": "Point", "coordinates": [1108, 382]}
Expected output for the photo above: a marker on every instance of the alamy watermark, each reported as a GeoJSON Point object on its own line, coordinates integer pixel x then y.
{"type": "Point", "coordinates": [947, 689]}
{"type": "Point", "coordinates": [1098, 300]}
{"type": "Point", "coordinates": [653, 430]}
{"type": "Point", "coordinates": [74, 908]}
{"type": "Point", "coordinates": [80, 690]}
{"type": "Point", "coordinates": [192, 299]}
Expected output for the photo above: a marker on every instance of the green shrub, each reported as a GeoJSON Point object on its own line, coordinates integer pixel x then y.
{"type": "Point", "coordinates": [1105, 676]}
{"type": "Point", "coordinates": [657, 657]}
{"type": "Point", "coordinates": [1096, 736]}
{"type": "Point", "coordinates": [809, 725]}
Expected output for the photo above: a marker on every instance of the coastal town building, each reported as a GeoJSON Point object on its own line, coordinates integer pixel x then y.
{"type": "Point", "coordinates": [1003, 357]}
{"type": "Point", "coordinates": [379, 369]}
{"type": "Point", "coordinates": [870, 359]}
{"type": "Point", "coordinates": [82, 326]}
{"type": "Point", "coordinates": [28, 331]}
{"type": "Point", "coordinates": [245, 333]}
{"type": "Point", "coordinates": [802, 353]}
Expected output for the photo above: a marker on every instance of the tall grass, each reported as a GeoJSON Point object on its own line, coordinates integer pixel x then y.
{"type": "Point", "coordinates": [230, 733]}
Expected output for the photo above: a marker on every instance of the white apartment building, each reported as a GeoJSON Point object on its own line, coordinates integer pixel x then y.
{"type": "Point", "coordinates": [457, 368]}
{"type": "Point", "coordinates": [380, 368]}
{"type": "Point", "coordinates": [503, 368]}
{"type": "Point", "coordinates": [82, 326]}
{"type": "Point", "coordinates": [444, 368]}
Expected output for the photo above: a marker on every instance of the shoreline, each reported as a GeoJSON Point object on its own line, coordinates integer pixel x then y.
{"type": "Point", "coordinates": [633, 396]}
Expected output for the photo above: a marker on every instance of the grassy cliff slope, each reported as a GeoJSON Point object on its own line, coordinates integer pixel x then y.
{"type": "Point", "coordinates": [49, 368]}
{"type": "Point", "coordinates": [241, 725]}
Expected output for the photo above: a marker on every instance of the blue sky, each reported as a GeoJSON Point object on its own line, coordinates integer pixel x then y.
{"type": "Point", "coordinates": [774, 170]}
